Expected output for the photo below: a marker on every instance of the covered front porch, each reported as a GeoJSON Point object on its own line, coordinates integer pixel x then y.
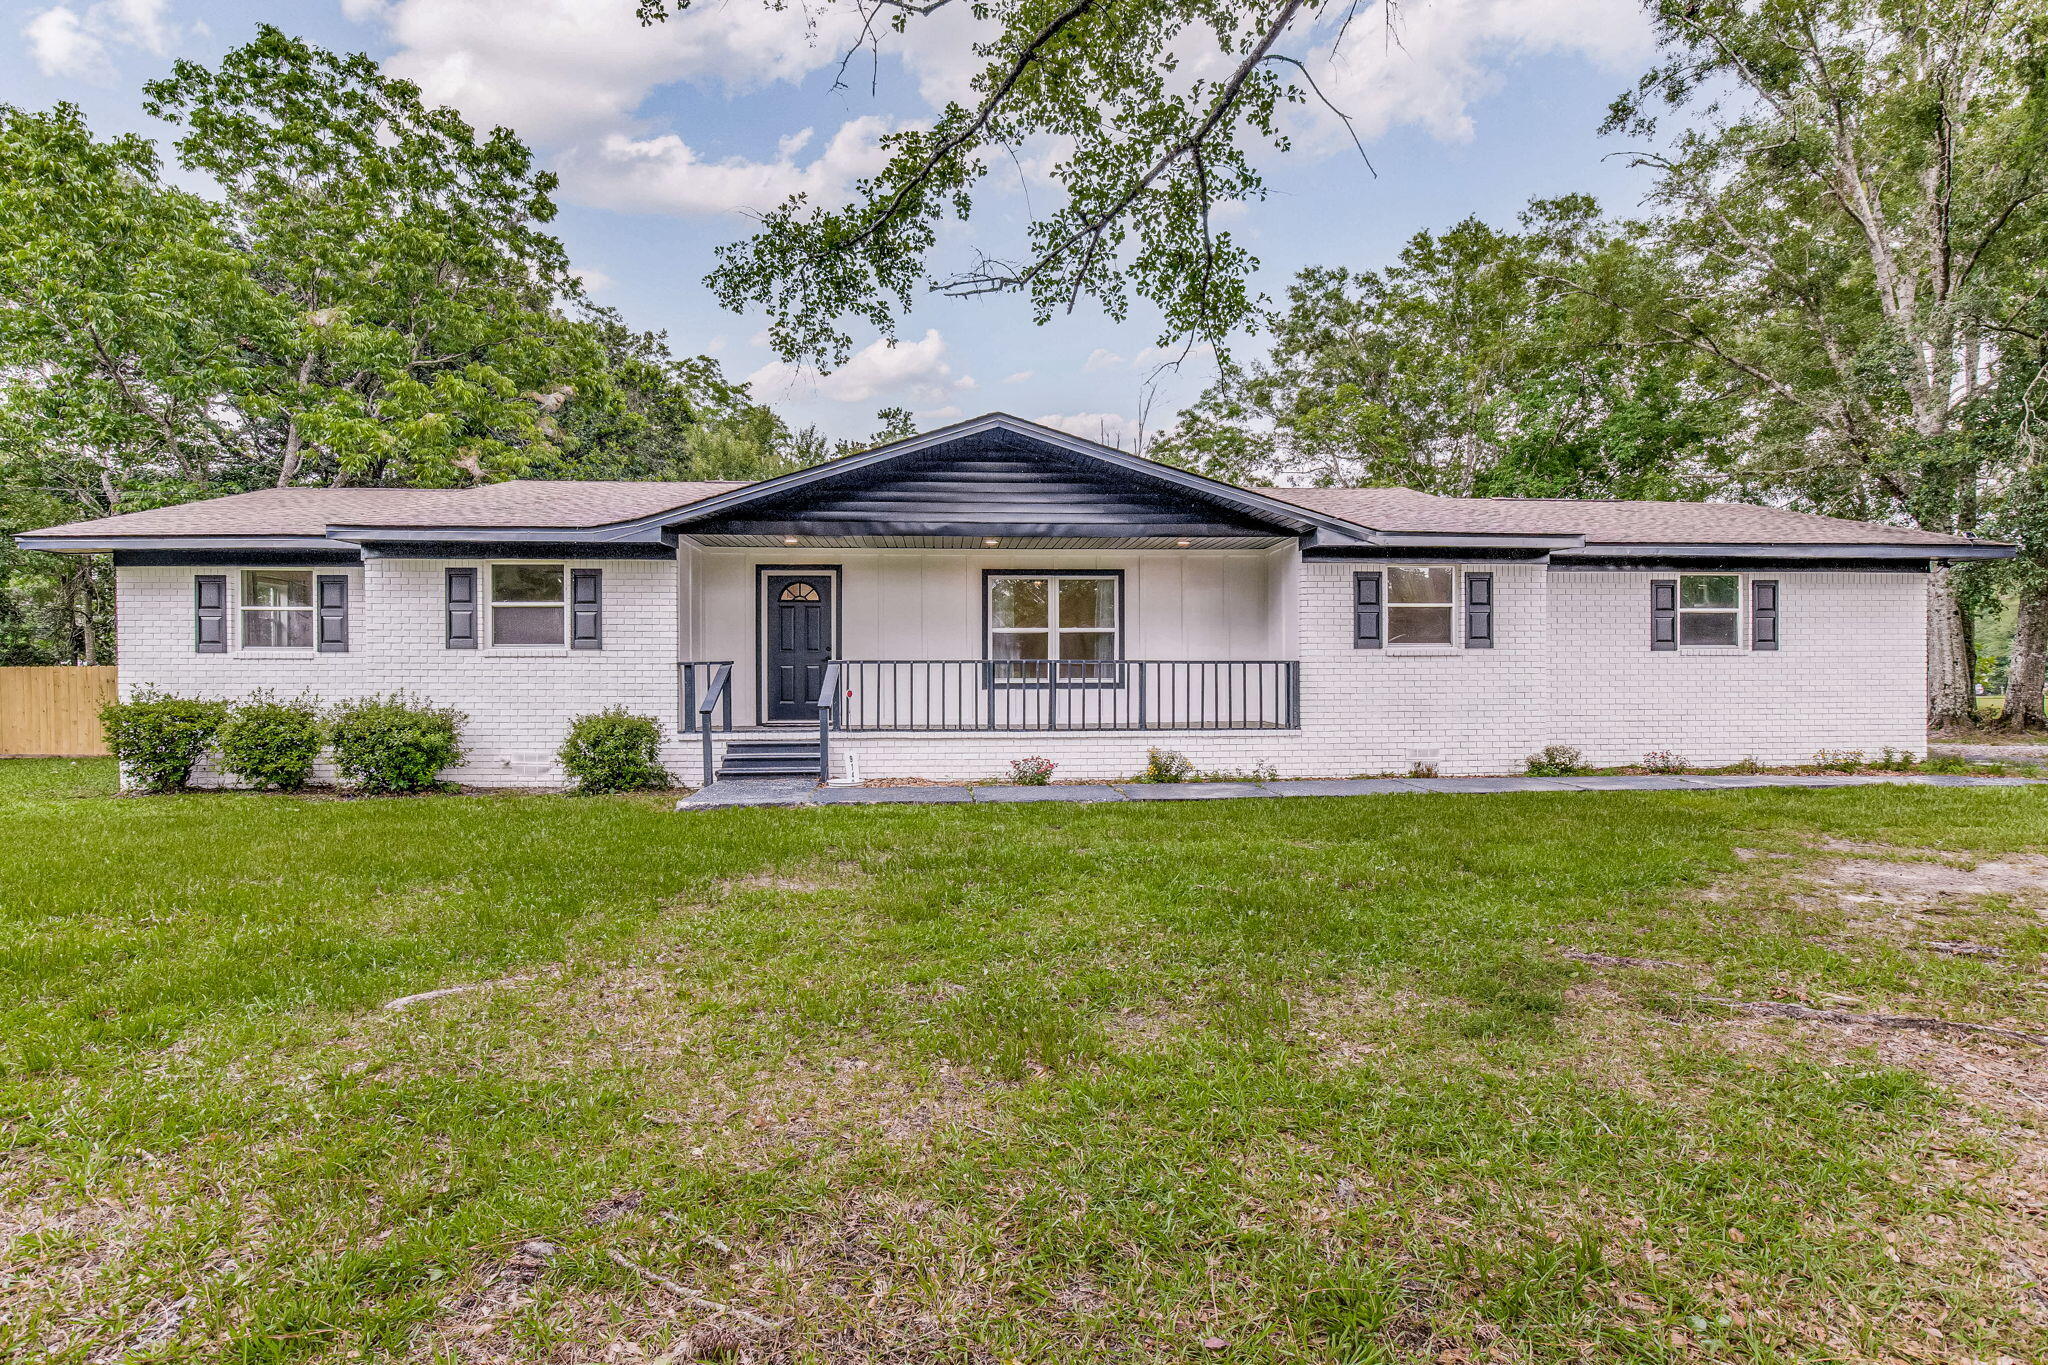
{"type": "Point", "coordinates": [991, 583]}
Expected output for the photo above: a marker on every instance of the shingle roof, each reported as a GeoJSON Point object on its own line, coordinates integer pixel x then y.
{"type": "Point", "coordinates": [1605, 523]}
{"type": "Point", "coordinates": [582, 504]}
{"type": "Point", "coordinates": [571, 504]}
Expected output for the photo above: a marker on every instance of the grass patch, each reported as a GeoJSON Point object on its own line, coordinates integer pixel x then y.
{"type": "Point", "coordinates": [1308, 1078]}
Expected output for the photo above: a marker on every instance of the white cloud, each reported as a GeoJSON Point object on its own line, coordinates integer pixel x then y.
{"type": "Point", "coordinates": [559, 70]}
{"type": "Point", "coordinates": [665, 174]}
{"type": "Point", "coordinates": [905, 374]}
{"type": "Point", "coordinates": [1102, 358]}
{"type": "Point", "coordinates": [1110, 428]}
{"type": "Point", "coordinates": [935, 417]}
{"type": "Point", "coordinates": [1446, 55]}
{"type": "Point", "coordinates": [594, 280]}
{"type": "Point", "coordinates": [79, 44]}
{"type": "Point", "coordinates": [1019, 377]}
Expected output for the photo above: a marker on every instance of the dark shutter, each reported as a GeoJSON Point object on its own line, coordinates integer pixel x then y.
{"type": "Point", "coordinates": [330, 591]}
{"type": "Point", "coordinates": [1763, 613]}
{"type": "Point", "coordinates": [1365, 611]}
{"type": "Point", "coordinates": [586, 608]}
{"type": "Point", "coordinates": [210, 613]}
{"type": "Point", "coordinates": [1479, 611]}
{"type": "Point", "coordinates": [461, 609]}
{"type": "Point", "coordinates": [1663, 613]}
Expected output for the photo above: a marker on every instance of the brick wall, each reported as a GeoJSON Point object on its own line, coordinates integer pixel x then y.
{"type": "Point", "coordinates": [1571, 665]}
{"type": "Point", "coordinates": [519, 703]}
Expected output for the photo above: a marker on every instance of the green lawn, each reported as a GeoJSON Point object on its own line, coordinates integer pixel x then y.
{"type": "Point", "coordinates": [1300, 1080]}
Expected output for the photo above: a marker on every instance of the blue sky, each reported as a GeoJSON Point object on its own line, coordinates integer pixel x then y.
{"type": "Point", "coordinates": [665, 137]}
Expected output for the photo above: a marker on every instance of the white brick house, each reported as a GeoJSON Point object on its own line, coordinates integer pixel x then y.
{"type": "Point", "coordinates": [996, 589]}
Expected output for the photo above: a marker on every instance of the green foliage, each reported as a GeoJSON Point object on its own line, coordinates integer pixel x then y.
{"type": "Point", "coordinates": [158, 737]}
{"type": "Point", "coordinates": [1032, 772]}
{"type": "Point", "coordinates": [1150, 141]}
{"type": "Point", "coordinates": [271, 744]}
{"type": "Point", "coordinates": [1471, 366]}
{"type": "Point", "coordinates": [1166, 765]}
{"type": "Point", "coordinates": [1556, 760]}
{"type": "Point", "coordinates": [614, 751]}
{"type": "Point", "coordinates": [395, 744]}
{"type": "Point", "coordinates": [1839, 760]}
{"type": "Point", "coordinates": [1666, 761]}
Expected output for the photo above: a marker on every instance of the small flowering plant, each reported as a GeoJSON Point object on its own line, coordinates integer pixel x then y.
{"type": "Point", "coordinates": [1031, 772]}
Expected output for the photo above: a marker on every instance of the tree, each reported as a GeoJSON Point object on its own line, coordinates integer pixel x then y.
{"type": "Point", "coordinates": [1149, 139]}
{"type": "Point", "coordinates": [1468, 367]}
{"type": "Point", "coordinates": [429, 342]}
{"type": "Point", "coordinates": [1851, 206]}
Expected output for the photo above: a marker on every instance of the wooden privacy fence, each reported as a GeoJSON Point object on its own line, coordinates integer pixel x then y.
{"type": "Point", "coordinates": [53, 711]}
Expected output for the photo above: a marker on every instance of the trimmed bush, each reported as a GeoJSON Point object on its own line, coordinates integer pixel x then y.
{"type": "Point", "coordinates": [614, 751]}
{"type": "Point", "coordinates": [1031, 772]}
{"type": "Point", "coordinates": [1166, 765]}
{"type": "Point", "coordinates": [1556, 760]}
{"type": "Point", "coordinates": [272, 744]}
{"type": "Point", "coordinates": [1666, 761]}
{"type": "Point", "coordinates": [397, 743]}
{"type": "Point", "coordinates": [158, 737]}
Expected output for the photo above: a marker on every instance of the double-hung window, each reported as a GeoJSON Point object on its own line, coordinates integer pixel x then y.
{"type": "Point", "coordinates": [1054, 626]}
{"type": "Point", "coordinates": [529, 604]}
{"type": "Point", "coordinates": [277, 609]}
{"type": "Point", "coordinates": [1710, 609]}
{"type": "Point", "coordinates": [1420, 604]}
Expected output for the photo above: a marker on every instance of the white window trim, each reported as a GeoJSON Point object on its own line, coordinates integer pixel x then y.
{"type": "Point", "coordinates": [1052, 630]}
{"type": "Point", "coordinates": [1741, 601]}
{"type": "Point", "coordinates": [488, 592]}
{"type": "Point", "coordinates": [1388, 604]}
{"type": "Point", "coordinates": [240, 598]}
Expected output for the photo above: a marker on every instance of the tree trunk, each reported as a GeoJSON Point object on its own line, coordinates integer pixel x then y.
{"type": "Point", "coordinates": [2028, 672]}
{"type": "Point", "coordinates": [1951, 697]}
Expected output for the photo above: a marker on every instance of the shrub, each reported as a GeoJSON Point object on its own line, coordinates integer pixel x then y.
{"type": "Point", "coordinates": [1556, 760]}
{"type": "Point", "coordinates": [271, 744]}
{"type": "Point", "coordinates": [158, 737]}
{"type": "Point", "coordinates": [1422, 769]}
{"type": "Point", "coordinates": [395, 744]}
{"type": "Point", "coordinates": [614, 751]}
{"type": "Point", "coordinates": [1666, 761]}
{"type": "Point", "coordinates": [1748, 763]}
{"type": "Point", "coordinates": [1943, 765]}
{"type": "Point", "coordinates": [1166, 765]}
{"type": "Point", "coordinates": [1896, 760]}
{"type": "Point", "coordinates": [1839, 760]}
{"type": "Point", "coordinates": [1031, 772]}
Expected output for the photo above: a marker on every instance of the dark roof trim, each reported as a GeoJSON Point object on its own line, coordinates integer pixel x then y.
{"type": "Point", "coordinates": [1270, 511]}
{"type": "Point", "coordinates": [441, 535]}
{"type": "Point", "coordinates": [1459, 539]}
{"type": "Point", "coordinates": [88, 545]}
{"type": "Point", "coordinates": [1629, 550]}
{"type": "Point", "coordinates": [485, 547]}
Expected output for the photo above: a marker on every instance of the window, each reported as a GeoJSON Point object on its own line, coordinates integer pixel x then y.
{"type": "Point", "coordinates": [1037, 618]}
{"type": "Point", "coordinates": [1419, 604]}
{"type": "Point", "coordinates": [277, 609]}
{"type": "Point", "coordinates": [527, 604]}
{"type": "Point", "coordinates": [1709, 606]}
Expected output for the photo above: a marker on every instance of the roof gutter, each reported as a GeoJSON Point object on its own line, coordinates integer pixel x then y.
{"type": "Point", "coordinates": [92, 545]}
{"type": "Point", "coordinates": [1982, 549]}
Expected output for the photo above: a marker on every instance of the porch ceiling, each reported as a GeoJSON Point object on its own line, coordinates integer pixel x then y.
{"type": "Point", "coordinates": [980, 542]}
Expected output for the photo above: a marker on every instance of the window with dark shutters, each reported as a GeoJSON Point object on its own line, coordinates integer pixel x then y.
{"type": "Point", "coordinates": [1763, 613]}
{"type": "Point", "coordinates": [331, 596]}
{"type": "Point", "coordinates": [1663, 613]}
{"type": "Point", "coordinates": [461, 631]}
{"type": "Point", "coordinates": [586, 609]}
{"type": "Point", "coordinates": [1479, 611]}
{"type": "Point", "coordinates": [210, 613]}
{"type": "Point", "coordinates": [1366, 631]}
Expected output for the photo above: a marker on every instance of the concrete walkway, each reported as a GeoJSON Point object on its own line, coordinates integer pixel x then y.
{"type": "Point", "coordinates": [775, 791]}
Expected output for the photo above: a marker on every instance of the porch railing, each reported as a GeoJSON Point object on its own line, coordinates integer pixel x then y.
{"type": "Point", "coordinates": [695, 680]}
{"type": "Point", "coordinates": [1071, 694]}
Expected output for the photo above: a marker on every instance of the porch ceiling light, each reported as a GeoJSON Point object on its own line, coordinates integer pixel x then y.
{"type": "Point", "coordinates": [1182, 543]}
{"type": "Point", "coordinates": [989, 541]}
{"type": "Point", "coordinates": [789, 540]}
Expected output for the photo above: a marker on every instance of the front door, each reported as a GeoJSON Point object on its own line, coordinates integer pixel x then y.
{"type": "Point", "coordinates": [796, 644]}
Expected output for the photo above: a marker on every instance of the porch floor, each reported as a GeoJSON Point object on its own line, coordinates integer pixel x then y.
{"type": "Point", "coordinates": [781, 791]}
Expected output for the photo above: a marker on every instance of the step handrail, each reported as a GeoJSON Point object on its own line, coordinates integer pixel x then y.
{"type": "Point", "coordinates": [828, 701]}
{"type": "Point", "coordinates": [721, 675]}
